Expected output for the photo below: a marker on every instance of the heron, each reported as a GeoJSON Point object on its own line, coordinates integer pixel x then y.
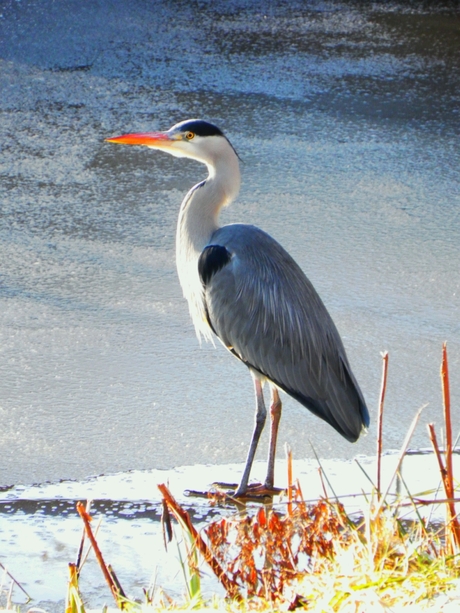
{"type": "Point", "coordinates": [242, 286]}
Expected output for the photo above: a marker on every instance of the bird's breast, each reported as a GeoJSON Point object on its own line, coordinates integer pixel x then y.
{"type": "Point", "coordinates": [187, 260]}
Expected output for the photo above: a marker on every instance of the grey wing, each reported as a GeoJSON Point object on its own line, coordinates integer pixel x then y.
{"type": "Point", "coordinates": [265, 310]}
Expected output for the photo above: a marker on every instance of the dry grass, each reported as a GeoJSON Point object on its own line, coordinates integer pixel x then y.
{"type": "Point", "coordinates": [318, 559]}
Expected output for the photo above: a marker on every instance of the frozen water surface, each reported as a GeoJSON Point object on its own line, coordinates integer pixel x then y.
{"type": "Point", "coordinates": [346, 118]}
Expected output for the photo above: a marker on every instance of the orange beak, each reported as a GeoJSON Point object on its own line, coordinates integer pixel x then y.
{"type": "Point", "coordinates": [149, 139]}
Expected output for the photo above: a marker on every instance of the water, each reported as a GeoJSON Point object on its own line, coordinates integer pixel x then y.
{"type": "Point", "coordinates": [346, 117]}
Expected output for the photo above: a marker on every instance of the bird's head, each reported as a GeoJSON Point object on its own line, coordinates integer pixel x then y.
{"type": "Point", "coordinates": [193, 138]}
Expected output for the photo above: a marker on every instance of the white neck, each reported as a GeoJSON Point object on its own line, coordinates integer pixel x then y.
{"type": "Point", "coordinates": [198, 220]}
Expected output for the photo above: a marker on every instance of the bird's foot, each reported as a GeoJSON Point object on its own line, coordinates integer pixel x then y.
{"type": "Point", "coordinates": [263, 489]}
{"type": "Point", "coordinates": [226, 492]}
{"type": "Point", "coordinates": [254, 491]}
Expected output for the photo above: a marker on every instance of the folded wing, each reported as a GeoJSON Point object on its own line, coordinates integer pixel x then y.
{"type": "Point", "coordinates": [265, 310]}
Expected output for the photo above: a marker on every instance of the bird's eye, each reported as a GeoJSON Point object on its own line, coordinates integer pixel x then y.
{"type": "Point", "coordinates": [189, 135]}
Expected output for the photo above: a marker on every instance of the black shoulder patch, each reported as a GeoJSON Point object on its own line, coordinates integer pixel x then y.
{"type": "Point", "coordinates": [201, 128]}
{"type": "Point", "coordinates": [211, 260]}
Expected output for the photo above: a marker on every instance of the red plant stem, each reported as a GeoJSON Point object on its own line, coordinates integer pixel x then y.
{"type": "Point", "coordinates": [449, 449]}
{"type": "Point", "coordinates": [289, 475]}
{"type": "Point", "coordinates": [447, 419]}
{"type": "Point", "coordinates": [299, 496]}
{"type": "Point", "coordinates": [434, 441]}
{"type": "Point", "coordinates": [82, 541]}
{"type": "Point", "coordinates": [184, 518]}
{"type": "Point", "coordinates": [89, 533]}
{"type": "Point", "coordinates": [455, 526]}
{"type": "Point", "coordinates": [380, 422]}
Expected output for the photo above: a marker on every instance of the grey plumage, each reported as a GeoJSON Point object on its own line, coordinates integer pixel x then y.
{"type": "Point", "coordinates": [263, 306]}
{"type": "Point", "coordinates": [245, 288]}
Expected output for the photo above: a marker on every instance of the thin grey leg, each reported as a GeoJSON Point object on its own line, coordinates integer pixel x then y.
{"type": "Point", "coordinates": [260, 416]}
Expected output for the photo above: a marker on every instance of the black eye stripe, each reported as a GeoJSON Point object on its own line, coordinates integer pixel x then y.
{"type": "Point", "coordinates": [201, 128]}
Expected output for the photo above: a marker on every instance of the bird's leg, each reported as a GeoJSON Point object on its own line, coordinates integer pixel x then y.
{"type": "Point", "coordinates": [275, 416]}
{"type": "Point", "coordinates": [260, 416]}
